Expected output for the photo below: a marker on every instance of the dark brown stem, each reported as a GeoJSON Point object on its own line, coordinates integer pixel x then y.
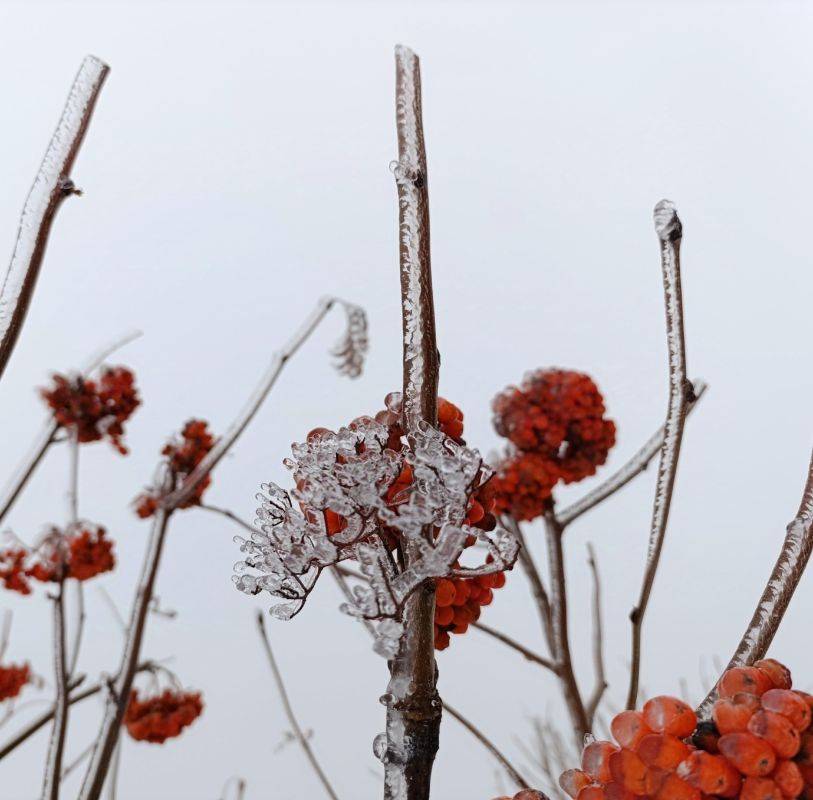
{"type": "Point", "coordinates": [51, 186]}
{"type": "Point", "coordinates": [414, 707]}
{"type": "Point", "coordinates": [289, 712]}
{"type": "Point", "coordinates": [598, 640]}
{"type": "Point", "coordinates": [515, 645]}
{"type": "Point", "coordinates": [776, 596]}
{"type": "Point", "coordinates": [561, 642]}
{"type": "Point", "coordinates": [681, 394]}
{"type": "Point", "coordinates": [512, 771]}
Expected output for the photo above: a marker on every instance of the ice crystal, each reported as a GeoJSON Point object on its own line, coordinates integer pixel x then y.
{"type": "Point", "coordinates": [351, 349]}
{"type": "Point", "coordinates": [347, 475]}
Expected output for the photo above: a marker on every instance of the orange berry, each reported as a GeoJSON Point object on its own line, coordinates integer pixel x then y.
{"type": "Point", "coordinates": [789, 704]}
{"type": "Point", "coordinates": [673, 788]}
{"type": "Point", "coordinates": [615, 791]}
{"type": "Point", "coordinates": [498, 580]}
{"type": "Point", "coordinates": [732, 714]}
{"type": "Point", "coordinates": [486, 597]}
{"type": "Point", "coordinates": [460, 627]}
{"type": "Point", "coordinates": [628, 728]}
{"type": "Point", "coordinates": [778, 673]}
{"type": "Point", "coordinates": [669, 715]}
{"type": "Point", "coordinates": [529, 794]}
{"type": "Point", "coordinates": [444, 593]}
{"type": "Point", "coordinates": [805, 754]}
{"type": "Point", "coordinates": [662, 751]}
{"type": "Point", "coordinates": [778, 731]}
{"type": "Point", "coordinates": [441, 640]}
{"type": "Point", "coordinates": [572, 781]}
{"type": "Point", "coordinates": [760, 789]}
{"type": "Point", "coordinates": [461, 594]}
{"type": "Point", "coordinates": [591, 792]}
{"type": "Point", "coordinates": [788, 778]}
{"type": "Point", "coordinates": [710, 774]}
{"type": "Point", "coordinates": [748, 753]}
{"type": "Point", "coordinates": [627, 769]}
{"type": "Point", "coordinates": [595, 760]}
{"type": "Point", "coordinates": [655, 776]}
{"type": "Point", "coordinates": [744, 679]}
{"type": "Point", "coordinates": [444, 615]}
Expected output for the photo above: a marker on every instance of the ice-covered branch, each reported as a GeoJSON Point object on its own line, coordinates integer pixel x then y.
{"type": "Point", "coordinates": [349, 354]}
{"type": "Point", "coordinates": [681, 395]}
{"type": "Point", "coordinates": [598, 640]}
{"type": "Point", "coordinates": [289, 712]}
{"type": "Point", "coordinates": [782, 583]}
{"type": "Point", "coordinates": [634, 467]}
{"type": "Point", "coordinates": [51, 186]}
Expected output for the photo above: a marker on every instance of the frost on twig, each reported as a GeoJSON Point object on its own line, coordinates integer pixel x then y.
{"type": "Point", "coordinates": [51, 186]}
{"type": "Point", "coordinates": [343, 507]}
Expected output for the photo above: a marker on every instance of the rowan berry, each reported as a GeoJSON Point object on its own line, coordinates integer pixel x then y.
{"type": "Point", "coordinates": [572, 781]}
{"type": "Point", "coordinates": [616, 791]}
{"type": "Point", "coordinates": [662, 750]}
{"type": "Point", "coordinates": [778, 673]}
{"type": "Point", "coordinates": [778, 731]}
{"type": "Point", "coordinates": [595, 760]}
{"type": "Point", "coordinates": [673, 788]}
{"type": "Point", "coordinates": [627, 769]}
{"type": "Point", "coordinates": [705, 736]}
{"type": "Point", "coordinates": [711, 774]}
{"type": "Point", "coordinates": [788, 778]}
{"type": "Point", "coordinates": [669, 715]}
{"type": "Point", "coordinates": [733, 713]}
{"type": "Point", "coordinates": [744, 679]}
{"type": "Point", "coordinates": [750, 754]}
{"type": "Point", "coordinates": [628, 728]}
{"type": "Point", "coordinates": [789, 704]}
{"type": "Point", "coordinates": [591, 792]}
{"type": "Point", "coordinates": [164, 716]}
{"type": "Point", "coordinates": [12, 680]}
{"type": "Point", "coordinates": [760, 789]}
{"type": "Point", "coordinates": [524, 484]}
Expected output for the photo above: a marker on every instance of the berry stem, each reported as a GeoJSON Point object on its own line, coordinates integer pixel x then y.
{"type": "Point", "coordinates": [515, 645]}
{"type": "Point", "coordinates": [51, 186]}
{"type": "Point", "coordinates": [681, 395]}
{"type": "Point", "coordinates": [289, 712]}
{"type": "Point", "coordinates": [773, 603]}
{"type": "Point", "coordinates": [598, 639]}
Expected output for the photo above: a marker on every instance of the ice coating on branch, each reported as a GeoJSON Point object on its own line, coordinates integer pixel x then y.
{"type": "Point", "coordinates": [342, 509]}
{"type": "Point", "coordinates": [50, 185]}
{"type": "Point", "coordinates": [351, 349]}
{"type": "Point", "coordinates": [667, 223]}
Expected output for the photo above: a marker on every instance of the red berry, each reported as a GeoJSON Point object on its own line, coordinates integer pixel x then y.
{"type": "Point", "coordinates": [595, 760]}
{"type": "Point", "coordinates": [629, 728]}
{"type": "Point", "coordinates": [778, 731]}
{"type": "Point", "coordinates": [778, 673]}
{"type": "Point", "coordinates": [572, 781]}
{"type": "Point", "coordinates": [669, 715]}
{"type": "Point", "coordinates": [748, 753]}
{"type": "Point", "coordinates": [744, 679]}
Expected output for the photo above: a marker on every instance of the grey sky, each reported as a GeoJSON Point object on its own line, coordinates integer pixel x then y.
{"type": "Point", "coordinates": [236, 170]}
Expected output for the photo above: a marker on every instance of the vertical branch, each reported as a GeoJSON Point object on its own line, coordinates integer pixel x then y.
{"type": "Point", "coordinates": [561, 641]}
{"type": "Point", "coordinates": [776, 596]}
{"type": "Point", "coordinates": [598, 640]}
{"type": "Point", "coordinates": [51, 186]}
{"type": "Point", "coordinates": [414, 707]}
{"type": "Point", "coordinates": [289, 712]}
{"type": "Point", "coordinates": [681, 395]}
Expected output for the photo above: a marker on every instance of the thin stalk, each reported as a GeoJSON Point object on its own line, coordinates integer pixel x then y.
{"type": "Point", "coordinates": [289, 712]}
{"type": "Point", "coordinates": [681, 393]}
{"type": "Point", "coordinates": [598, 640]}
{"type": "Point", "coordinates": [515, 645]}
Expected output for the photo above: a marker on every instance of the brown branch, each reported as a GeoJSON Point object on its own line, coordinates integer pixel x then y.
{"type": "Point", "coordinates": [515, 645]}
{"type": "Point", "coordinates": [289, 712]}
{"type": "Point", "coordinates": [561, 642]}
{"type": "Point", "coordinates": [414, 710]}
{"type": "Point", "coordinates": [51, 186]}
{"type": "Point", "coordinates": [634, 467]}
{"type": "Point", "coordinates": [776, 596]}
{"type": "Point", "coordinates": [670, 231]}
{"type": "Point", "coordinates": [598, 640]}
{"type": "Point", "coordinates": [489, 745]}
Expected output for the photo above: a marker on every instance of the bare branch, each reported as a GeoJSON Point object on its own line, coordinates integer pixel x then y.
{"type": "Point", "coordinates": [289, 712]}
{"type": "Point", "coordinates": [561, 642]}
{"type": "Point", "coordinates": [515, 645]}
{"type": "Point", "coordinates": [76, 762]}
{"type": "Point", "coordinates": [776, 596]}
{"type": "Point", "coordinates": [512, 771]}
{"type": "Point", "coordinates": [230, 515]}
{"type": "Point", "coordinates": [340, 575]}
{"type": "Point", "coordinates": [634, 467]}
{"type": "Point", "coordinates": [598, 640]}
{"type": "Point", "coordinates": [278, 362]}
{"type": "Point", "coordinates": [51, 186]}
{"type": "Point", "coordinates": [670, 231]}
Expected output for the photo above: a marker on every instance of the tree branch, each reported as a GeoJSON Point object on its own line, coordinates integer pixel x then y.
{"type": "Point", "coordinates": [598, 640]}
{"type": "Point", "coordinates": [51, 186]}
{"type": "Point", "coordinates": [776, 596]}
{"type": "Point", "coordinates": [515, 645]}
{"type": "Point", "coordinates": [670, 231]}
{"type": "Point", "coordinates": [512, 771]}
{"type": "Point", "coordinates": [289, 712]}
{"type": "Point", "coordinates": [634, 467]}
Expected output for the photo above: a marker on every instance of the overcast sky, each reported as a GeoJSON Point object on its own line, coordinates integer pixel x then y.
{"type": "Point", "coordinates": [237, 169]}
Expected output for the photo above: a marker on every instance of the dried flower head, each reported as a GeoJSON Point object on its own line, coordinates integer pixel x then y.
{"type": "Point", "coordinates": [94, 409]}
{"type": "Point", "coordinates": [12, 680]}
{"type": "Point", "coordinates": [558, 414]}
{"type": "Point", "coordinates": [158, 718]}
{"type": "Point", "coordinates": [183, 453]}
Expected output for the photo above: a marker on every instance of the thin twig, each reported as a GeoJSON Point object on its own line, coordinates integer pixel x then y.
{"type": "Point", "coordinates": [51, 186]}
{"type": "Point", "coordinates": [340, 577]}
{"type": "Point", "coordinates": [782, 583]}
{"type": "Point", "coordinates": [76, 762]}
{"type": "Point", "coordinates": [515, 645]}
{"type": "Point", "coordinates": [113, 777]}
{"type": "Point", "coordinates": [80, 626]}
{"type": "Point", "coordinates": [489, 745]}
{"type": "Point", "coordinates": [224, 512]}
{"type": "Point", "coordinates": [598, 640]}
{"type": "Point", "coordinates": [561, 642]}
{"type": "Point", "coordinates": [634, 467]}
{"type": "Point", "coordinates": [670, 231]}
{"type": "Point", "coordinates": [289, 712]}
{"type": "Point", "coordinates": [5, 632]}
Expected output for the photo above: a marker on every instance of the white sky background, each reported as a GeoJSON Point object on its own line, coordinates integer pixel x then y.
{"type": "Point", "coordinates": [236, 169]}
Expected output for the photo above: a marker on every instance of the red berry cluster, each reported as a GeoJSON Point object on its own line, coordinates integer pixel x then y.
{"type": "Point", "coordinates": [164, 716]}
{"type": "Point", "coordinates": [12, 680]}
{"type": "Point", "coordinates": [95, 409]}
{"type": "Point", "coordinates": [555, 422]}
{"type": "Point", "coordinates": [183, 454]}
{"type": "Point", "coordinates": [81, 555]}
{"type": "Point", "coordinates": [458, 602]}
{"type": "Point", "coordinates": [755, 747]}
{"type": "Point", "coordinates": [525, 794]}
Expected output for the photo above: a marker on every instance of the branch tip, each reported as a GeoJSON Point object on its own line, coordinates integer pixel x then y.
{"type": "Point", "coordinates": [667, 222]}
